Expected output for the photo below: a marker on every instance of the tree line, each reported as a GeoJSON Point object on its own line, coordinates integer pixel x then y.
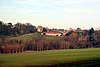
{"type": "Point", "coordinates": [72, 40]}
{"type": "Point", "coordinates": [14, 30]}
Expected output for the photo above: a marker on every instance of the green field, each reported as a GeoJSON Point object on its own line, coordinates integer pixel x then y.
{"type": "Point", "coordinates": [28, 37]}
{"type": "Point", "coordinates": [70, 57]}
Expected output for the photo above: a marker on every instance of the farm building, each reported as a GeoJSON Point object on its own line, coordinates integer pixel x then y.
{"type": "Point", "coordinates": [52, 33]}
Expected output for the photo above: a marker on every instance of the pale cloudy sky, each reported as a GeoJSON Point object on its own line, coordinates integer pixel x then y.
{"type": "Point", "coordinates": [52, 13]}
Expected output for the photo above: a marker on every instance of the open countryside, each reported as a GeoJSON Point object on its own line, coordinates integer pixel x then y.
{"type": "Point", "coordinates": [49, 33]}
{"type": "Point", "coordinates": [37, 49]}
{"type": "Point", "coordinates": [53, 58]}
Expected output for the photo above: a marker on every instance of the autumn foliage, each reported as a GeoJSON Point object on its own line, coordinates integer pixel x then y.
{"type": "Point", "coordinates": [72, 40]}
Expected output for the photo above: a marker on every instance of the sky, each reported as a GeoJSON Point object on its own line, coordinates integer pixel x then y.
{"type": "Point", "coordinates": [52, 13]}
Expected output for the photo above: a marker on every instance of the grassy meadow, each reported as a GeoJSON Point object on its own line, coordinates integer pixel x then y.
{"type": "Point", "coordinates": [28, 37]}
{"type": "Point", "coordinates": [68, 57]}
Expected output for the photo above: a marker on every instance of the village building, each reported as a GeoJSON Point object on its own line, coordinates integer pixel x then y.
{"type": "Point", "coordinates": [40, 29]}
{"type": "Point", "coordinates": [50, 33]}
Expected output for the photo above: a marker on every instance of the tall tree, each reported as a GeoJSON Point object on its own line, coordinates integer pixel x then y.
{"type": "Point", "coordinates": [90, 34]}
{"type": "Point", "coordinates": [1, 28]}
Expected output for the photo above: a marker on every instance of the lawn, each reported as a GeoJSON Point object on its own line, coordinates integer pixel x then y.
{"type": "Point", "coordinates": [68, 57]}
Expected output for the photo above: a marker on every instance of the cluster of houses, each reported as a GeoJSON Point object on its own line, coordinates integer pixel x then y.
{"type": "Point", "coordinates": [59, 32]}
{"type": "Point", "coordinates": [56, 32]}
{"type": "Point", "coordinates": [51, 32]}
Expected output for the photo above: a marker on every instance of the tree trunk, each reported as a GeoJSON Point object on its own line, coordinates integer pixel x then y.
{"type": "Point", "coordinates": [47, 47]}
{"type": "Point", "coordinates": [22, 49]}
{"type": "Point", "coordinates": [37, 48]}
